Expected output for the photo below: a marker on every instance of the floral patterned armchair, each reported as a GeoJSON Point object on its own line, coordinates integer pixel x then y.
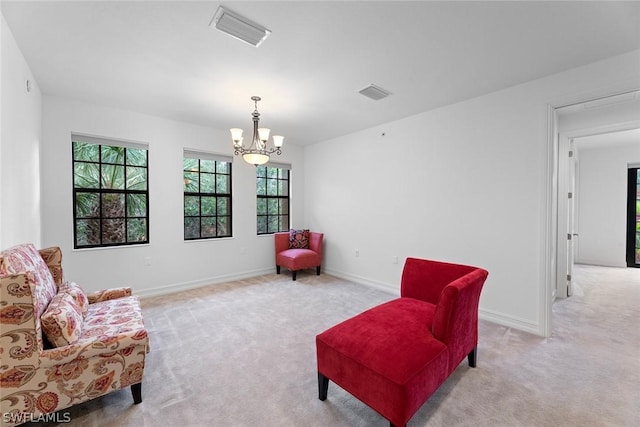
{"type": "Point", "coordinates": [58, 346]}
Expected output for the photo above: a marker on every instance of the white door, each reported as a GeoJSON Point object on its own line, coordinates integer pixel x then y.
{"type": "Point", "coordinates": [566, 193]}
{"type": "Point", "coordinates": [571, 198]}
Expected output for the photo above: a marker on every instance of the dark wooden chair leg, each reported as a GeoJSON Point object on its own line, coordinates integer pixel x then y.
{"type": "Point", "coordinates": [317, 270]}
{"type": "Point", "coordinates": [323, 387]}
{"type": "Point", "coordinates": [136, 391]}
{"type": "Point", "coordinates": [472, 357]}
{"type": "Point", "coordinates": [293, 273]}
{"type": "Point", "coordinates": [277, 269]}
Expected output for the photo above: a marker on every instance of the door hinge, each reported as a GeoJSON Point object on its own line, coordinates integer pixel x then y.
{"type": "Point", "coordinates": [570, 153]}
{"type": "Point", "coordinates": [570, 195]}
{"type": "Point", "coordinates": [568, 277]}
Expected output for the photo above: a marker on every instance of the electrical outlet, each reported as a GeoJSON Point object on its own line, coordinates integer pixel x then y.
{"type": "Point", "coordinates": [357, 253]}
{"type": "Point", "coordinates": [395, 259]}
{"type": "Point", "coordinates": [147, 261]}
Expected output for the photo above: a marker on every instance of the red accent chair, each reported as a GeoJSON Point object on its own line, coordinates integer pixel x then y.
{"type": "Point", "coordinates": [394, 356]}
{"type": "Point", "coordinates": [298, 259]}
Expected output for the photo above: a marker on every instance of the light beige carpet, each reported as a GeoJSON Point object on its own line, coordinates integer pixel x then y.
{"type": "Point", "coordinates": [243, 354]}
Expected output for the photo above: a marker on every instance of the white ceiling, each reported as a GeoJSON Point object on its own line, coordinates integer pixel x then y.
{"type": "Point", "coordinates": [162, 58]}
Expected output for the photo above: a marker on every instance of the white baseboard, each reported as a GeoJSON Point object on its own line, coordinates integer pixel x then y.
{"type": "Point", "coordinates": [393, 290]}
{"type": "Point", "coordinates": [489, 315]}
{"type": "Point", "coordinates": [510, 321]}
{"type": "Point", "coordinates": [386, 287]}
{"type": "Point", "coordinates": [178, 287]}
{"type": "Point", "coordinates": [600, 263]}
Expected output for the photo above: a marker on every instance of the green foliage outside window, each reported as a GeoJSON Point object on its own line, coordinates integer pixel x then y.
{"type": "Point", "coordinates": [272, 188]}
{"type": "Point", "coordinates": [110, 195]}
{"type": "Point", "coordinates": [207, 198]}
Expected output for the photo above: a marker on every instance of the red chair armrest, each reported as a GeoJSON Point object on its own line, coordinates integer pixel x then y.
{"type": "Point", "coordinates": [315, 242]}
{"type": "Point", "coordinates": [281, 241]}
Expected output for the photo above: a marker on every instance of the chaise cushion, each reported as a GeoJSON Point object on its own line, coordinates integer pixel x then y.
{"type": "Point", "coordinates": [62, 320]}
{"type": "Point", "coordinates": [116, 320]}
{"type": "Point", "coordinates": [386, 357]}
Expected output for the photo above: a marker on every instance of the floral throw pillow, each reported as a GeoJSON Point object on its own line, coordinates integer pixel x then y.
{"type": "Point", "coordinates": [53, 258]}
{"type": "Point", "coordinates": [62, 320]}
{"type": "Point", "coordinates": [26, 257]}
{"type": "Point", "coordinates": [78, 294]}
{"type": "Point", "coordinates": [298, 239]}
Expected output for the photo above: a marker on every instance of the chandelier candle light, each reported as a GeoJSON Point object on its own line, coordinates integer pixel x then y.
{"type": "Point", "coordinates": [257, 152]}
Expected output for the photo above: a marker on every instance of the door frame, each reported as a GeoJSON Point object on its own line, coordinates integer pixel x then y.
{"type": "Point", "coordinates": [552, 251]}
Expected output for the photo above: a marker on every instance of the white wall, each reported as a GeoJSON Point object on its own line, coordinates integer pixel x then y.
{"type": "Point", "coordinates": [175, 264]}
{"type": "Point", "coordinates": [20, 131]}
{"type": "Point", "coordinates": [465, 183]}
{"type": "Point", "coordinates": [601, 214]}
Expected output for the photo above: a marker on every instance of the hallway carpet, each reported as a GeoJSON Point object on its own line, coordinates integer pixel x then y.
{"type": "Point", "coordinates": [243, 354]}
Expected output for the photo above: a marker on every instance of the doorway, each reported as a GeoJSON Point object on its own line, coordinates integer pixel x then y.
{"type": "Point", "coordinates": [568, 123]}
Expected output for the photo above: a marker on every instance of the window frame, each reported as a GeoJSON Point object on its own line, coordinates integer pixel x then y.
{"type": "Point", "coordinates": [268, 197]}
{"type": "Point", "coordinates": [101, 191]}
{"type": "Point", "coordinates": [216, 158]}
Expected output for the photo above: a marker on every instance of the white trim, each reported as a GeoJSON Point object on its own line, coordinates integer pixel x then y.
{"type": "Point", "coordinates": [93, 139]}
{"type": "Point", "coordinates": [191, 153]}
{"type": "Point", "coordinates": [489, 315]}
{"type": "Point", "coordinates": [599, 97]}
{"type": "Point", "coordinates": [183, 286]}
{"type": "Point", "coordinates": [394, 290]}
{"type": "Point", "coordinates": [278, 165]}
{"type": "Point", "coordinates": [601, 130]}
{"type": "Point", "coordinates": [510, 321]}
{"type": "Point", "coordinates": [548, 291]}
{"type": "Point", "coordinates": [209, 239]}
{"type": "Point", "coordinates": [102, 248]}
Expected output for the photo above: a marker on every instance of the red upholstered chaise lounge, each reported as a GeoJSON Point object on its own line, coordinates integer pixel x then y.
{"type": "Point", "coordinates": [394, 356]}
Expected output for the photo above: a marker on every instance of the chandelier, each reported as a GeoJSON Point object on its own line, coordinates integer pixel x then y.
{"type": "Point", "coordinates": [256, 153]}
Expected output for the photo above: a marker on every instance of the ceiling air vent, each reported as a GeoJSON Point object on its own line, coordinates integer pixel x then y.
{"type": "Point", "coordinates": [239, 27]}
{"type": "Point", "coordinates": [375, 92]}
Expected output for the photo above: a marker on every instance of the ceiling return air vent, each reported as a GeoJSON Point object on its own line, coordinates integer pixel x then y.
{"type": "Point", "coordinates": [239, 27]}
{"type": "Point", "coordinates": [375, 92]}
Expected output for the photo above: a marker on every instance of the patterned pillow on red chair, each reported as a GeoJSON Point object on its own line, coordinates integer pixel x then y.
{"type": "Point", "coordinates": [298, 239]}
